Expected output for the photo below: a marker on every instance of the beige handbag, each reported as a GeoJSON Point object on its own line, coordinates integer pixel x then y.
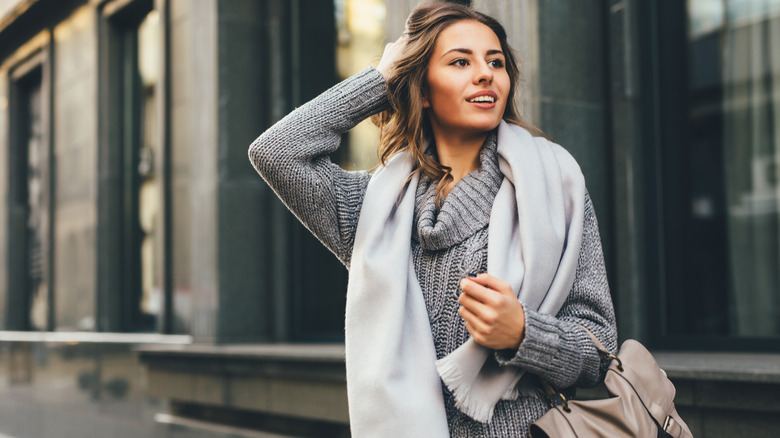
{"type": "Point", "coordinates": [641, 402]}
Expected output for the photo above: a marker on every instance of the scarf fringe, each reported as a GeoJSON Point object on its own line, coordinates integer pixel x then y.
{"type": "Point", "coordinates": [464, 401]}
{"type": "Point", "coordinates": [511, 393]}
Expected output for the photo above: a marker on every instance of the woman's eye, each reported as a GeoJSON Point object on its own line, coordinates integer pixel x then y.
{"type": "Point", "coordinates": [460, 62]}
{"type": "Point", "coordinates": [496, 63]}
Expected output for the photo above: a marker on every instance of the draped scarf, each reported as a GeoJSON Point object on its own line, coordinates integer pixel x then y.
{"type": "Point", "coordinates": [534, 239]}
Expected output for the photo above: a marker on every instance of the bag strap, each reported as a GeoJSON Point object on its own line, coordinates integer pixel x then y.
{"type": "Point", "coordinates": [599, 346]}
{"type": "Point", "coordinates": [603, 352]}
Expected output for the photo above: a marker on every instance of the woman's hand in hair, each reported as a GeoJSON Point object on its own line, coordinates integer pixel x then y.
{"type": "Point", "coordinates": [391, 54]}
{"type": "Point", "coordinates": [494, 317]}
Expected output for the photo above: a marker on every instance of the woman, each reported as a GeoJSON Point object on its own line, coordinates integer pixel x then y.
{"type": "Point", "coordinates": [474, 254]}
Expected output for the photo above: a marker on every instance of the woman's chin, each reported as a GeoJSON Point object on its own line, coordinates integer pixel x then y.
{"type": "Point", "coordinates": [471, 128]}
{"type": "Point", "coordinates": [487, 126]}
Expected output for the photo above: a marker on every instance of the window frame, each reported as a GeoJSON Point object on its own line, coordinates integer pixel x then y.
{"type": "Point", "coordinates": [118, 280]}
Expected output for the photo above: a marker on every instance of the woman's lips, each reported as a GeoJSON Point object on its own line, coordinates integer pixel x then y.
{"type": "Point", "coordinates": [485, 99]}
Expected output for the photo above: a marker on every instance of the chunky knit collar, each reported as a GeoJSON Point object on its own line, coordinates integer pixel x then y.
{"type": "Point", "coordinates": [465, 210]}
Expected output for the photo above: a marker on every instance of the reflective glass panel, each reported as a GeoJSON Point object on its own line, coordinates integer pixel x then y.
{"type": "Point", "coordinates": [720, 145]}
{"type": "Point", "coordinates": [360, 27]}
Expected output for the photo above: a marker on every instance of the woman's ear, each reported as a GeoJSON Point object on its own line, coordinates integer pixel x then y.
{"type": "Point", "coordinates": [425, 102]}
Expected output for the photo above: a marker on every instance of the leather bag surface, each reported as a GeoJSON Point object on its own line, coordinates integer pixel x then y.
{"type": "Point", "coordinates": [641, 402]}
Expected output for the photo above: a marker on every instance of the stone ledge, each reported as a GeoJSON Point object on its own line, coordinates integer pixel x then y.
{"type": "Point", "coordinates": [300, 381]}
{"type": "Point", "coordinates": [734, 367]}
{"type": "Point", "coordinates": [329, 353]}
{"type": "Point", "coordinates": [724, 367]}
{"type": "Point", "coordinates": [156, 339]}
{"type": "Point", "coordinates": [285, 361]}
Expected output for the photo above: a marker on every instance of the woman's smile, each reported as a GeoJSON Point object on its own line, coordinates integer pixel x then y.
{"type": "Point", "coordinates": [483, 99]}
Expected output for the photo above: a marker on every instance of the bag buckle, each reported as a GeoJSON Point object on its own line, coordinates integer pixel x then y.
{"type": "Point", "coordinates": [559, 400]}
{"type": "Point", "coordinates": [619, 362]}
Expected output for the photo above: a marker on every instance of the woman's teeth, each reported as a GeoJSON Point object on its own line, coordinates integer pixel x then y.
{"type": "Point", "coordinates": [483, 99]}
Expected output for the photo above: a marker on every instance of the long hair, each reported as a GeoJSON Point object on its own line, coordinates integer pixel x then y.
{"type": "Point", "coordinates": [404, 125]}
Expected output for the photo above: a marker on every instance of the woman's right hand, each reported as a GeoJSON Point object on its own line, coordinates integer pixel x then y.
{"type": "Point", "coordinates": [392, 53]}
{"type": "Point", "coordinates": [494, 317]}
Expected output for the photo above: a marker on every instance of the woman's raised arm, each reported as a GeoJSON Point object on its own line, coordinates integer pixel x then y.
{"type": "Point", "coordinates": [292, 157]}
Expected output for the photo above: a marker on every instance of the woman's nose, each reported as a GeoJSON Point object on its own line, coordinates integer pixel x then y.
{"type": "Point", "coordinates": [483, 73]}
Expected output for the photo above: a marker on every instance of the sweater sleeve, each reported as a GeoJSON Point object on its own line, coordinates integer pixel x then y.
{"type": "Point", "coordinates": [292, 157]}
{"type": "Point", "coordinates": [557, 348]}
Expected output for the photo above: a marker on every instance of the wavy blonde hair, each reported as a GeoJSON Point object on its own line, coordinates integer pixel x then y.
{"type": "Point", "coordinates": [404, 125]}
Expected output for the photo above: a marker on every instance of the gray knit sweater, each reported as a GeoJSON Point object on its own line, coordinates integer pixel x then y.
{"type": "Point", "coordinates": [448, 243]}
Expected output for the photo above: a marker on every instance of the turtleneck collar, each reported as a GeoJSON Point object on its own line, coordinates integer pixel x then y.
{"type": "Point", "coordinates": [465, 210]}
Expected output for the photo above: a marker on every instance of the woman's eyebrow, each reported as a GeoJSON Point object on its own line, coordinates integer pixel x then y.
{"type": "Point", "coordinates": [469, 51]}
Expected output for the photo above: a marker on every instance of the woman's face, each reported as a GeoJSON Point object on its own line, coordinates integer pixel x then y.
{"type": "Point", "coordinates": [467, 82]}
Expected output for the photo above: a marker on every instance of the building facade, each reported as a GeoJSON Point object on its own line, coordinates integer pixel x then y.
{"type": "Point", "coordinates": [152, 285]}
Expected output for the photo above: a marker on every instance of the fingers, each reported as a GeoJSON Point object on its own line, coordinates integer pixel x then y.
{"type": "Point", "coordinates": [482, 302]}
{"type": "Point", "coordinates": [492, 334]}
{"type": "Point", "coordinates": [493, 283]}
{"type": "Point", "coordinates": [474, 325]}
{"type": "Point", "coordinates": [391, 54]}
{"type": "Point", "coordinates": [486, 288]}
{"type": "Point", "coordinates": [484, 312]}
{"type": "Point", "coordinates": [477, 291]}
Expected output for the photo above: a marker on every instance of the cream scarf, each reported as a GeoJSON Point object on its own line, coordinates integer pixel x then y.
{"type": "Point", "coordinates": [534, 239]}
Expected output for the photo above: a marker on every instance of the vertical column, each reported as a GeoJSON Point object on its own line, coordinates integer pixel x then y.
{"type": "Point", "coordinates": [246, 311]}
{"type": "Point", "coordinates": [5, 116]}
{"type": "Point", "coordinates": [165, 220]}
{"type": "Point", "coordinates": [76, 141]}
{"type": "Point", "coordinates": [627, 189]}
{"type": "Point", "coordinates": [573, 92]}
{"type": "Point", "coordinates": [203, 168]}
{"type": "Point", "coordinates": [277, 20]}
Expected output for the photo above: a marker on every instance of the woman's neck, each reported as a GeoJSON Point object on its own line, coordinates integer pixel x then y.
{"type": "Point", "coordinates": [460, 153]}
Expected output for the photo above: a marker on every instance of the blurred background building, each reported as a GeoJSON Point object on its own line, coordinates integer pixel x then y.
{"type": "Point", "coordinates": [152, 285]}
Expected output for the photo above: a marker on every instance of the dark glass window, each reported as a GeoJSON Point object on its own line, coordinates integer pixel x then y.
{"type": "Point", "coordinates": [131, 294]}
{"type": "Point", "coordinates": [28, 307]}
{"type": "Point", "coordinates": [718, 137]}
{"type": "Point", "coordinates": [37, 288]}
